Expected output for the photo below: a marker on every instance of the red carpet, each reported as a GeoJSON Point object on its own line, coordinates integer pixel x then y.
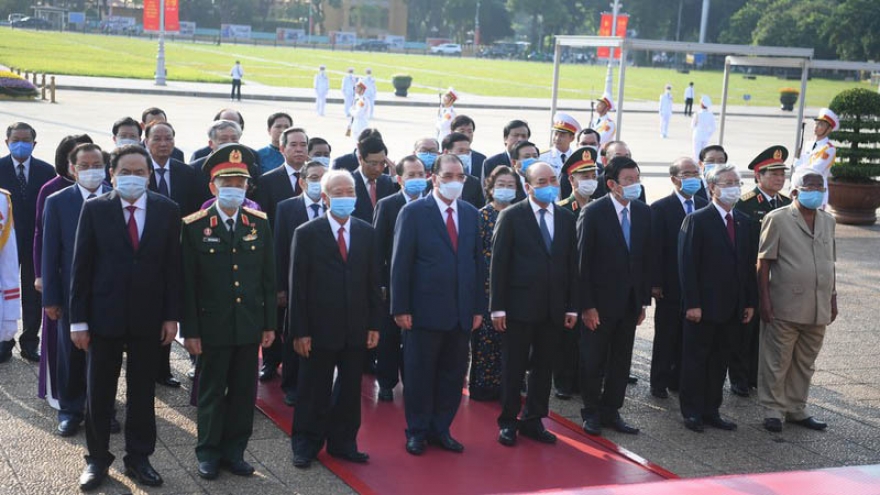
{"type": "Point", "coordinates": [486, 467]}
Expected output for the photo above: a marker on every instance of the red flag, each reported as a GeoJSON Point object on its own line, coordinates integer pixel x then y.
{"type": "Point", "coordinates": [172, 19]}
{"type": "Point", "coordinates": [605, 30]}
{"type": "Point", "coordinates": [151, 15]}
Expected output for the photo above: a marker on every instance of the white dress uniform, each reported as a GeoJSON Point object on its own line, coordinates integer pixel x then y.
{"type": "Point", "coordinates": [703, 126]}
{"type": "Point", "coordinates": [370, 93]}
{"type": "Point", "coordinates": [360, 115]}
{"type": "Point", "coordinates": [445, 115]}
{"type": "Point", "coordinates": [820, 155]}
{"type": "Point", "coordinates": [555, 157]}
{"type": "Point", "coordinates": [10, 303]}
{"type": "Point", "coordinates": [322, 86]}
{"type": "Point", "coordinates": [348, 83]}
{"type": "Point", "coordinates": [603, 123]}
{"type": "Point", "coordinates": [665, 111]}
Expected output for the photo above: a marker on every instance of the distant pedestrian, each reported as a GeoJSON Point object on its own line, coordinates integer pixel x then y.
{"type": "Point", "coordinates": [689, 99]}
{"type": "Point", "coordinates": [237, 73]}
{"type": "Point", "coordinates": [665, 111]}
{"type": "Point", "coordinates": [370, 93]}
{"type": "Point", "coordinates": [322, 86]}
{"type": "Point", "coordinates": [446, 113]}
{"type": "Point", "coordinates": [703, 125]}
{"type": "Point", "coordinates": [348, 84]}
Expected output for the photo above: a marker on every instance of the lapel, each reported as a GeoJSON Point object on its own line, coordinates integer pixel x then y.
{"type": "Point", "coordinates": [286, 186]}
{"type": "Point", "coordinates": [722, 226]}
{"type": "Point", "coordinates": [677, 208]}
{"type": "Point", "coordinates": [116, 204]}
{"type": "Point", "coordinates": [330, 237]}
{"type": "Point", "coordinates": [557, 228]}
{"type": "Point", "coordinates": [151, 220]}
{"type": "Point", "coordinates": [801, 223]}
{"type": "Point", "coordinates": [615, 222]}
{"type": "Point", "coordinates": [531, 222]}
{"type": "Point", "coordinates": [438, 220]}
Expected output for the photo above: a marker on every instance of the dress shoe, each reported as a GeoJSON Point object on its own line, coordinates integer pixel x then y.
{"type": "Point", "coordinates": [191, 373]}
{"type": "Point", "coordinates": [621, 426]}
{"type": "Point", "coordinates": [539, 434]}
{"type": "Point", "coordinates": [143, 473]}
{"type": "Point", "coordinates": [208, 470]}
{"type": "Point", "coordinates": [659, 393]}
{"type": "Point", "coordinates": [446, 442]}
{"type": "Point", "coordinates": [718, 422]}
{"type": "Point", "coordinates": [592, 425]}
{"type": "Point", "coordinates": [386, 395]}
{"type": "Point", "coordinates": [68, 428]}
{"type": "Point", "coordinates": [92, 477]}
{"type": "Point", "coordinates": [115, 427]}
{"type": "Point", "coordinates": [301, 460]}
{"type": "Point", "coordinates": [811, 423]}
{"type": "Point", "coordinates": [290, 398]}
{"type": "Point", "coordinates": [352, 456]}
{"type": "Point", "coordinates": [268, 372]}
{"type": "Point", "coordinates": [739, 389]}
{"type": "Point", "coordinates": [30, 354]}
{"type": "Point", "coordinates": [773, 425]}
{"type": "Point", "coordinates": [507, 436]}
{"type": "Point", "coordinates": [5, 356]}
{"type": "Point", "coordinates": [238, 467]}
{"type": "Point", "coordinates": [563, 394]}
{"type": "Point", "coordinates": [632, 380]}
{"type": "Point", "coordinates": [169, 381]}
{"type": "Point", "coordinates": [415, 446]}
{"type": "Point", "coordinates": [694, 423]}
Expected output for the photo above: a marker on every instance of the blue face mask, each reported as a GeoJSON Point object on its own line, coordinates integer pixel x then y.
{"type": "Point", "coordinates": [131, 187]}
{"type": "Point", "coordinates": [465, 162]}
{"type": "Point", "coordinates": [632, 191]}
{"type": "Point", "coordinates": [323, 160]}
{"type": "Point", "coordinates": [810, 199]}
{"type": "Point", "coordinates": [415, 187]}
{"type": "Point", "coordinates": [428, 159]}
{"type": "Point", "coordinates": [690, 185]}
{"type": "Point", "coordinates": [230, 198]}
{"type": "Point", "coordinates": [526, 163]}
{"type": "Point", "coordinates": [504, 195]}
{"type": "Point", "coordinates": [313, 191]}
{"type": "Point", "coordinates": [342, 207]}
{"type": "Point", "coordinates": [546, 194]}
{"type": "Point", "coordinates": [21, 149]}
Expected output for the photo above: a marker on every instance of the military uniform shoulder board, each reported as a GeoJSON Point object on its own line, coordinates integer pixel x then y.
{"type": "Point", "coordinates": [5, 192]}
{"type": "Point", "coordinates": [256, 213]}
{"type": "Point", "coordinates": [749, 195]}
{"type": "Point", "coordinates": [783, 196]}
{"type": "Point", "coordinates": [195, 216]}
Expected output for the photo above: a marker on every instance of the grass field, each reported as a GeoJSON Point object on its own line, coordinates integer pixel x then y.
{"type": "Point", "coordinates": [112, 56]}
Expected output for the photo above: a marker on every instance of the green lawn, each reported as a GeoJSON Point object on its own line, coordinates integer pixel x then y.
{"type": "Point", "coordinates": [112, 56]}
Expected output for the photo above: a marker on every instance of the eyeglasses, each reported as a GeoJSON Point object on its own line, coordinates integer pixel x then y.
{"type": "Point", "coordinates": [729, 184]}
{"type": "Point", "coordinates": [820, 189]}
{"type": "Point", "coordinates": [688, 175]}
{"type": "Point", "coordinates": [97, 166]}
{"type": "Point", "coordinates": [448, 177]}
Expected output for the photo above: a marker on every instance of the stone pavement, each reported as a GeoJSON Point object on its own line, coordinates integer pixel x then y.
{"type": "Point", "coordinates": [846, 389]}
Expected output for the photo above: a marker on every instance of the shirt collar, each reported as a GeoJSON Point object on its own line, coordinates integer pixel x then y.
{"type": "Point", "coordinates": [224, 217]}
{"type": "Point", "coordinates": [334, 225]}
{"type": "Point", "coordinates": [156, 164]}
{"type": "Point", "coordinates": [682, 198]}
{"type": "Point", "coordinates": [442, 204]}
{"type": "Point", "coordinates": [308, 201]}
{"type": "Point", "coordinates": [765, 194]}
{"type": "Point", "coordinates": [85, 192]}
{"type": "Point", "coordinates": [722, 211]}
{"type": "Point", "coordinates": [290, 170]}
{"type": "Point", "coordinates": [536, 208]}
{"type": "Point", "coordinates": [26, 163]}
{"type": "Point", "coordinates": [140, 203]}
{"type": "Point", "coordinates": [617, 205]}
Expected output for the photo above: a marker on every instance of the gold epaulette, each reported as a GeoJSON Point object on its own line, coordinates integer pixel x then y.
{"type": "Point", "coordinates": [5, 192]}
{"type": "Point", "coordinates": [749, 195]}
{"type": "Point", "coordinates": [256, 213]}
{"type": "Point", "coordinates": [195, 216]}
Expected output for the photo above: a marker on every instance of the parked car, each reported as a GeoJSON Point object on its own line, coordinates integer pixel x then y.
{"type": "Point", "coordinates": [32, 23]}
{"type": "Point", "coordinates": [372, 46]}
{"type": "Point", "coordinates": [446, 49]}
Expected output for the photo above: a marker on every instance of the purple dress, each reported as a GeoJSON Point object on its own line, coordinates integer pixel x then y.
{"type": "Point", "coordinates": [47, 388]}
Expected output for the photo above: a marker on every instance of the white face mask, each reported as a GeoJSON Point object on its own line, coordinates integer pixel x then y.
{"type": "Point", "coordinates": [586, 187]}
{"type": "Point", "coordinates": [451, 190]}
{"type": "Point", "coordinates": [729, 195]}
{"type": "Point", "coordinates": [120, 142]}
{"type": "Point", "coordinates": [90, 179]}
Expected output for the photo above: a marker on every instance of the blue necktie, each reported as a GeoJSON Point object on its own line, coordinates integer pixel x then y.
{"type": "Point", "coordinates": [315, 212]}
{"type": "Point", "coordinates": [689, 206]}
{"type": "Point", "coordinates": [545, 232]}
{"type": "Point", "coordinates": [163, 186]}
{"type": "Point", "coordinates": [624, 224]}
{"type": "Point", "coordinates": [22, 180]}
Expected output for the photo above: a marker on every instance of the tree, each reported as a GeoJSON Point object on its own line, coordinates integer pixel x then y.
{"type": "Point", "coordinates": [796, 23]}
{"type": "Point", "coordinates": [854, 30]}
{"type": "Point", "coordinates": [458, 16]}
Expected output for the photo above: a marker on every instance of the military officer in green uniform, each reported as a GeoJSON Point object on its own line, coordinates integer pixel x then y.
{"type": "Point", "coordinates": [229, 309]}
{"type": "Point", "coordinates": [580, 168]}
{"type": "Point", "coordinates": [769, 169]}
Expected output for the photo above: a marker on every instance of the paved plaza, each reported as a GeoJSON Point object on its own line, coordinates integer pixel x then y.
{"type": "Point", "coordinates": [846, 391]}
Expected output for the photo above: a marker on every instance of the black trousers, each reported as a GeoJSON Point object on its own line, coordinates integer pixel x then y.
{"type": "Point", "coordinates": [688, 106]}
{"type": "Point", "coordinates": [389, 355]}
{"type": "Point", "coordinates": [705, 353]}
{"type": "Point", "coordinates": [743, 368]}
{"type": "Point", "coordinates": [289, 366]}
{"type": "Point", "coordinates": [274, 355]}
{"type": "Point", "coordinates": [527, 346]}
{"type": "Point", "coordinates": [606, 355]}
{"type": "Point", "coordinates": [666, 353]}
{"type": "Point", "coordinates": [104, 360]}
{"type": "Point", "coordinates": [163, 367]}
{"type": "Point", "coordinates": [322, 413]}
{"type": "Point", "coordinates": [70, 364]}
{"type": "Point", "coordinates": [31, 303]}
{"type": "Point", "coordinates": [236, 88]}
{"type": "Point", "coordinates": [566, 363]}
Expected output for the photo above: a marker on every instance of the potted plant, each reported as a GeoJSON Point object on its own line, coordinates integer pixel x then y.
{"type": "Point", "coordinates": [15, 87]}
{"type": "Point", "coordinates": [401, 83]}
{"type": "Point", "coordinates": [788, 97]}
{"type": "Point", "coordinates": [853, 188]}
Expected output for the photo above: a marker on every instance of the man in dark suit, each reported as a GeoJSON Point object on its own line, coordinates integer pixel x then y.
{"type": "Point", "coordinates": [289, 215]}
{"type": "Point", "coordinates": [61, 214]}
{"type": "Point", "coordinates": [23, 175]}
{"type": "Point", "coordinates": [125, 297]}
{"type": "Point", "coordinates": [613, 149]}
{"type": "Point", "coordinates": [515, 132]}
{"type": "Point", "coordinates": [389, 358]}
{"type": "Point", "coordinates": [716, 263]}
{"type": "Point", "coordinates": [334, 318]}
{"type": "Point", "coordinates": [371, 184]}
{"type": "Point", "coordinates": [350, 161]}
{"type": "Point", "coordinates": [467, 126]}
{"type": "Point", "coordinates": [458, 144]}
{"type": "Point", "coordinates": [586, 137]}
{"type": "Point", "coordinates": [667, 214]}
{"type": "Point", "coordinates": [231, 115]}
{"type": "Point", "coordinates": [437, 280]}
{"type": "Point", "coordinates": [614, 237]}
{"type": "Point", "coordinates": [533, 287]}
{"type": "Point", "coordinates": [149, 115]}
{"type": "Point", "coordinates": [219, 133]}
{"type": "Point", "coordinates": [710, 157]}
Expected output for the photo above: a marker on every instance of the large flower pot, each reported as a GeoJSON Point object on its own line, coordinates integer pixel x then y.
{"type": "Point", "coordinates": [788, 100]}
{"type": "Point", "coordinates": [854, 203]}
{"type": "Point", "coordinates": [401, 85]}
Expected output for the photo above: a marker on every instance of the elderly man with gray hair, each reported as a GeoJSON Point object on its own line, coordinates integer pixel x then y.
{"type": "Point", "coordinates": [222, 132]}
{"type": "Point", "coordinates": [716, 264]}
{"type": "Point", "coordinates": [796, 282]}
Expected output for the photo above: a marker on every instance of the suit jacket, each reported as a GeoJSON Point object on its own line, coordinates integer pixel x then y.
{"type": "Point", "coordinates": [289, 215]}
{"type": "Point", "coordinates": [334, 302]}
{"type": "Point", "coordinates": [493, 161]}
{"type": "Point", "coordinates": [120, 292]}
{"type": "Point", "coordinates": [189, 189]}
{"type": "Point", "coordinates": [717, 276]}
{"type": "Point", "coordinates": [613, 279]}
{"type": "Point", "coordinates": [477, 160]}
{"type": "Point", "coordinates": [472, 192]}
{"type": "Point", "coordinates": [443, 289]}
{"type": "Point", "coordinates": [667, 214]}
{"type": "Point", "coordinates": [200, 153]}
{"type": "Point", "coordinates": [348, 162]}
{"type": "Point", "coordinates": [60, 217]}
{"type": "Point", "coordinates": [274, 187]}
{"type": "Point", "coordinates": [24, 209]}
{"type": "Point", "coordinates": [363, 209]}
{"type": "Point", "coordinates": [383, 223]}
{"type": "Point", "coordinates": [527, 281]}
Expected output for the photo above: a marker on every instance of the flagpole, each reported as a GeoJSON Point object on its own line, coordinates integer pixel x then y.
{"type": "Point", "coordinates": [160, 57]}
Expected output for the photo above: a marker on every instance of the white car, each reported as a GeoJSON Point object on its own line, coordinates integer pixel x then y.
{"type": "Point", "coordinates": [446, 49]}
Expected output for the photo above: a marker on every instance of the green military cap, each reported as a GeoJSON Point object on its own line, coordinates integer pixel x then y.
{"type": "Point", "coordinates": [581, 160]}
{"type": "Point", "coordinates": [229, 160]}
{"type": "Point", "coordinates": [773, 158]}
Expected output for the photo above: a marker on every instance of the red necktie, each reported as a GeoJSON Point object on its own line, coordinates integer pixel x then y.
{"type": "Point", "coordinates": [132, 227]}
{"type": "Point", "coordinates": [373, 192]}
{"type": "Point", "coordinates": [730, 232]}
{"type": "Point", "coordinates": [340, 239]}
{"type": "Point", "coordinates": [450, 228]}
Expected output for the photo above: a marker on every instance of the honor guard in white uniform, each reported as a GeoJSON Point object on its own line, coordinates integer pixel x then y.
{"type": "Point", "coordinates": [371, 90]}
{"type": "Point", "coordinates": [565, 127]}
{"type": "Point", "coordinates": [10, 303]}
{"type": "Point", "coordinates": [348, 83]}
{"type": "Point", "coordinates": [322, 86]}
{"type": "Point", "coordinates": [445, 114]}
{"type": "Point", "coordinates": [603, 123]}
{"type": "Point", "coordinates": [360, 113]}
{"type": "Point", "coordinates": [703, 125]}
{"type": "Point", "coordinates": [819, 155]}
{"type": "Point", "coordinates": [665, 111]}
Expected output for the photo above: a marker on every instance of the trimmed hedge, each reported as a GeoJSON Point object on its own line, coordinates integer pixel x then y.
{"type": "Point", "coordinates": [858, 152]}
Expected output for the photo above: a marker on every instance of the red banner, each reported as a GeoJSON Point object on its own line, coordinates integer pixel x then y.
{"type": "Point", "coordinates": [605, 30]}
{"type": "Point", "coordinates": [172, 20]}
{"type": "Point", "coordinates": [151, 15]}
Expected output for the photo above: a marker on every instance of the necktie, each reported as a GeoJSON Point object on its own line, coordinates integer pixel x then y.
{"type": "Point", "coordinates": [340, 239]}
{"type": "Point", "coordinates": [730, 232]}
{"type": "Point", "coordinates": [773, 203]}
{"type": "Point", "coordinates": [133, 227]}
{"type": "Point", "coordinates": [22, 180]}
{"type": "Point", "coordinates": [91, 196]}
{"type": "Point", "coordinates": [373, 192]}
{"type": "Point", "coordinates": [230, 223]}
{"type": "Point", "coordinates": [545, 232]}
{"type": "Point", "coordinates": [296, 189]}
{"type": "Point", "coordinates": [315, 210]}
{"type": "Point", "coordinates": [563, 159]}
{"type": "Point", "coordinates": [624, 225]}
{"type": "Point", "coordinates": [689, 206]}
{"type": "Point", "coordinates": [814, 146]}
{"type": "Point", "coordinates": [450, 228]}
{"type": "Point", "coordinates": [163, 185]}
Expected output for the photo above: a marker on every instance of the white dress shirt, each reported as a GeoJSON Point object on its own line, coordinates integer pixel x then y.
{"type": "Point", "coordinates": [27, 167]}
{"type": "Point", "coordinates": [682, 199]}
{"type": "Point", "coordinates": [224, 217]}
{"type": "Point", "coordinates": [619, 208]}
{"type": "Point", "coordinates": [290, 171]}
{"type": "Point", "coordinates": [346, 234]}
{"type": "Point", "coordinates": [548, 217]}
{"type": "Point", "coordinates": [309, 210]}
{"type": "Point", "coordinates": [443, 207]}
{"type": "Point", "coordinates": [85, 192]}
{"type": "Point", "coordinates": [723, 212]}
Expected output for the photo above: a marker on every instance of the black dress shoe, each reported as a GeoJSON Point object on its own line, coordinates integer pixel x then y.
{"type": "Point", "coordinates": [632, 380]}
{"type": "Point", "coordinates": [592, 425]}
{"type": "Point", "coordinates": [353, 456]}
{"type": "Point", "coordinates": [268, 372]}
{"type": "Point", "coordinates": [659, 393]}
{"type": "Point", "coordinates": [446, 442]}
{"type": "Point", "coordinates": [739, 389]}
{"type": "Point", "coordinates": [507, 436]}
{"type": "Point", "coordinates": [5, 356]}
{"type": "Point", "coordinates": [694, 423]}
{"type": "Point", "coordinates": [208, 470]}
{"type": "Point", "coordinates": [143, 473]}
{"type": "Point", "coordinates": [115, 427]}
{"type": "Point", "coordinates": [539, 434]}
{"type": "Point", "coordinates": [169, 381]}
{"type": "Point", "coordinates": [31, 355]}
{"type": "Point", "coordinates": [68, 428]}
{"type": "Point", "coordinates": [811, 423]}
{"type": "Point", "coordinates": [563, 394]}
{"type": "Point", "coordinates": [773, 425]}
{"type": "Point", "coordinates": [621, 426]}
{"type": "Point", "coordinates": [301, 460]}
{"type": "Point", "coordinates": [415, 446]}
{"type": "Point", "coordinates": [290, 399]}
{"type": "Point", "coordinates": [92, 477]}
{"type": "Point", "coordinates": [386, 395]}
{"type": "Point", "coordinates": [238, 467]}
{"type": "Point", "coordinates": [718, 422]}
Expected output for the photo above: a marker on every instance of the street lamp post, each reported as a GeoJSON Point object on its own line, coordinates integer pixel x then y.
{"type": "Point", "coordinates": [477, 26]}
{"type": "Point", "coordinates": [160, 57]}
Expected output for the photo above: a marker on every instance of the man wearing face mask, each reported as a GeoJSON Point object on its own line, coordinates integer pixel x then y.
{"type": "Point", "coordinates": [563, 131]}
{"type": "Point", "coordinates": [411, 176]}
{"type": "Point", "coordinates": [515, 132]}
{"type": "Point", "coordinates": [716, 264]}
{"type": "Point", "coordinates": [319, 151]}
{"type": "Point", "coordinates": [459, 145]}
{"type": "Point", "coordinates": [371, 183]}
{"type": "Point", "coordinates": [427, 150]}
{"type": "Point", "coordinates": [797, 250]}
{"type": "Point", "coordinates": [23, 175]}
{"type": "Point", "coordinates": [125, 297]}
{"type": "Point", "coordinates": [524, 155]}
{"type": "Point", "coordinates": [586, 137]}
{"type": "Point", "coordinates": [580, 170]}
{"type": "Point", "coordinates": [710, 157]}
{"type": "Point", "coordinates": [667, 214]}
{"type": "Point", "coordinates": [290, 214]}
{"type": "Point", "coordinates": [615, 229]}
{"type": "Point", "coordinates": [614, 149]}
{"type": "Point", "coordinates": [467, 126]}
{"type": "Point", "coordinates": [127, 131]}
{"type": "Point", "coordinates": [229, 288]}
{"type": "Point", "coordinates": [61, 215]}
{"type": "Point", "coordinates": [437, 299]}
{"type": "Point", "coordinates": [334, 318]}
